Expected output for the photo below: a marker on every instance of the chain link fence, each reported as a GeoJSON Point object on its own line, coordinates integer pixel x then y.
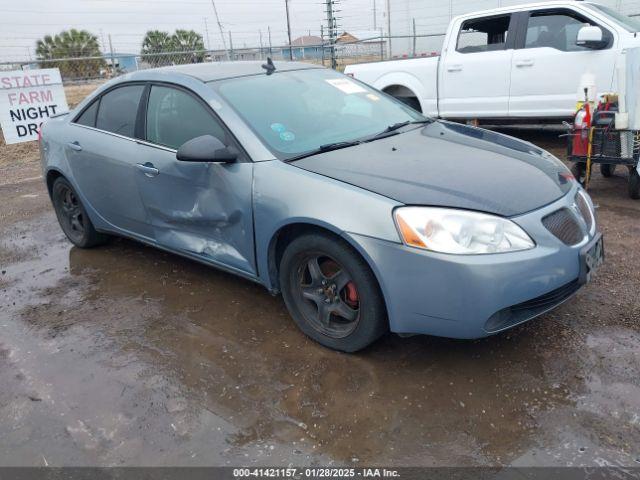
{"type": "Point", "coordinates": [337, 55]}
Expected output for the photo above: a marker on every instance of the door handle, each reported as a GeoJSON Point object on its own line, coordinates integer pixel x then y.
{"type": "Point", "coordinates": [454, 68]}
{"type": "Point", "coordinates": [524, 63]}
{"type": "Point", "coordinates": [75, 146]}
{"type": "Point", "coordinates": [148, 169]}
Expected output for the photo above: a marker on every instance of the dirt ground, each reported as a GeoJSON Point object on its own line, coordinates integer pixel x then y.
{"type": "Point", "coordinates": [125, 355]}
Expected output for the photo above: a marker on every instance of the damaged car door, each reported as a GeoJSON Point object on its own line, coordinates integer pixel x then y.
{"type": "Point", "coordinates": [200, 208]}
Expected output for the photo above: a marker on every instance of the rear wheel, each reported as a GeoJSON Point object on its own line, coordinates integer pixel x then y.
{"type": "Point", "coordinates": [634, 184]}
{"type": "Point", "coordinates": [72, 216]}
{"type": "Point", "coordinates": [331, 293]}
{"type": "Point", "coordinates": [607, 170]}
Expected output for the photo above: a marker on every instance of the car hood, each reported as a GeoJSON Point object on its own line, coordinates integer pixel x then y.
{"type": "Point", "coordinates": [450, 165]}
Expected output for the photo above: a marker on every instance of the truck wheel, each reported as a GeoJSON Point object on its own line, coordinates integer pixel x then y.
{"type": "Point", "coordinates": [579, 171]}
{"type": "Point", "coordinates": [72, 216]}
{"type": "Point", "coordinates": [607, 170]}
{"type": "Point", "coordinates": [634, 184]}
{"type": "Point", "coordinates": [331, 293]}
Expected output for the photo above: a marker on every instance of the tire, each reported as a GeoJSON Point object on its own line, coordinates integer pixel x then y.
{"type": "Point", "coordinates": [331, 293]}
{"type": "Point", "coordinates": [607, 170]}
{"type": "Point", "coordinates": [579, 171]}
{"type": "Point", "coordinates": [634, 184]}
{"type": "Point", "coordinates": [411, 102]}
{"type": "Point", "coordinates": [72, 216]}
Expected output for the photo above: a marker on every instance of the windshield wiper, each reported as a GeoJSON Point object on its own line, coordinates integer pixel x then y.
{"type": "Point", "coordinates": [327, 147]}
{"type": "Point", "coordinates": [391, 129]}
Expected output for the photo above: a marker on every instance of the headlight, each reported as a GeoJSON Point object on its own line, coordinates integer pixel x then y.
{"type": "Point", "coordinates": [461, 232]}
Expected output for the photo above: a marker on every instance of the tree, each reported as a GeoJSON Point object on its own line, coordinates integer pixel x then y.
{"type": "Point", "coordinates": [154, 44]}
{"type": "Point", "coordinates": [188, 41]}
{"type": "Point", "coordinates": [161, 48]}
{"type": "Point", "coordinates": [55, 52]}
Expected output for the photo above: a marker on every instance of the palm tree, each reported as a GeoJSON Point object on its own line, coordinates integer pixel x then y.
{"type": "Point", "coordinates": [154, 44]}
{"type": "Point", "coordinates": [81, 45]}
{"type": "Point", "coordinates": [188, 41]}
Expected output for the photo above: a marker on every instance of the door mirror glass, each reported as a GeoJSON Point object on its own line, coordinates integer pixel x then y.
{"type": "Point", "coordinates": [206, 148]}
{"type": "Point", "coordinates": [590, 37]}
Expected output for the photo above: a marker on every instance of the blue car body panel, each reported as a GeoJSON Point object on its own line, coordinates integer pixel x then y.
{"type": "Point", "coordinates": [230, 215]}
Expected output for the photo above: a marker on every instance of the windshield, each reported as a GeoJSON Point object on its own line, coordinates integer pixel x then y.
{"type": "Point", "coordinates": [629, 23]}
{"type": "Point", "coordinates": [295, 112]}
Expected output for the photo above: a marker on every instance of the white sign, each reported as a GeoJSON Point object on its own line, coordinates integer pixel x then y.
{"type": "Point", "coordinates": [27, 98]}
{"type": "Point", "coordinates": [346, 85]}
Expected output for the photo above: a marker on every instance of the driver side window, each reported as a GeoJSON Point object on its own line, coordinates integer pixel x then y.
{"type": "Point", "coordinates": [175, 117]}
{"type": "Point", "coordinates": [557, 30]}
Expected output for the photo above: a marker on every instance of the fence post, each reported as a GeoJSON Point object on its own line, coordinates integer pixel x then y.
{"type": "Point", "coordinates": [231, 54]}
{"type": "Point", "coordinates": [113, 59]}
{"type": "Point", "coordinates": [322, 42]}
{"type": "Point", "coordinates": [414, 37]}
{"type": "Point", "coordinates": [381, 45]}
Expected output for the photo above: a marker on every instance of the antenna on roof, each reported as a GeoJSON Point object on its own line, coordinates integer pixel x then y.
{"type": "Point", "coordinates": [269, 66]}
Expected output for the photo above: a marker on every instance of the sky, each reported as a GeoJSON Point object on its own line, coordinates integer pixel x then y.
{"type": "Point", "coordinates": [126, 21]}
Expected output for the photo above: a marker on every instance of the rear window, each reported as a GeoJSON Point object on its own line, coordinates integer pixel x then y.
{"type": "Point", "coordinates": [483, 34]}
{"type": "Point", "coordinates": [118, 110]}
{"type": "Point", "coordinates": [88, 117]}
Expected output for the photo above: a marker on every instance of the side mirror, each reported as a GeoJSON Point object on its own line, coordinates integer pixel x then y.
{"type": "Point", "coordinates": [206, 148]}
{"type": "Point", "coordinates": [591, 37]}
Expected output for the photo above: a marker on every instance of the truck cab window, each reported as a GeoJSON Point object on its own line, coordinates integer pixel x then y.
{"type": "Point", "coordinates": [483, 34]}
{"type": "Point", "coordinates": [557, 30]}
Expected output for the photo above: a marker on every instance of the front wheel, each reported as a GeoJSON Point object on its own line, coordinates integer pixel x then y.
{"type": "Point", "coordinates": [331, 293]}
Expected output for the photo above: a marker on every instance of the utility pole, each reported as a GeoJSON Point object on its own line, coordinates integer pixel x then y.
{"type": "Point", "coordinates": [389, 26]}
{"type": "Point", "coordinates": [230, 53]}
{"type": "Point", "coordinates": [375, 19]}
{"type": "Point", "coordinates": [322, 42]}
{"type": "Point", "coordinates": [261, 48]}
{"type": "Point", "coordinates": [224, 44]}
{"type": "Point", "coordinates": [286, 5]}
{"type": "Point", "coordinates": [269, 32]}
{"type": "Point", "coordinates": [414, 36]}
{"type": "Point", "coordinates": [206, 30]}
{"type": "Point", "coordinates": [332, 27]}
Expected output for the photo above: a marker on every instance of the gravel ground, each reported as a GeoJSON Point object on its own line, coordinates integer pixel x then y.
{"type": "Point", "coordinates": [125, 355]}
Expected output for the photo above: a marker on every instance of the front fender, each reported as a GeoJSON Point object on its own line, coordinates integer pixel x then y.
{"type": "Point", "coordinates": [286, 195]}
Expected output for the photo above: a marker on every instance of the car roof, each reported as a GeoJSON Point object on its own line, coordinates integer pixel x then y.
{"type": "Point", "coordinates": [211, 71]}
{"type": "Point", "coordinates": [525, 6]}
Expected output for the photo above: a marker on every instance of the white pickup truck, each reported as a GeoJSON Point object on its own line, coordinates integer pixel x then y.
{"type": "Point", "coordinates": [521, 63]}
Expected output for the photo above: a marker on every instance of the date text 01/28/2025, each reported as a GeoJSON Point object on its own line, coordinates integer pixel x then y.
{"type": "Point", "coordinates": [315, 472]}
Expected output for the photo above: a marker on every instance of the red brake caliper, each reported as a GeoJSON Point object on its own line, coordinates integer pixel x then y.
{"type": "Point", "coordinates": [351, 294]}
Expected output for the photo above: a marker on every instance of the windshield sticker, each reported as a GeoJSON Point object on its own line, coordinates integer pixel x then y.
{"type": "Point", "coordinates": [278, 127]}
{"type": "Point", "coordinates": [345, 85]}
{"type": "Point", "coordinates": [287, 136]}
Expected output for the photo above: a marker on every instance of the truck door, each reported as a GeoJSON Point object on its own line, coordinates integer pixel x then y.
{"type": "Point", "coordinates": [475, 69]}
{"type": "Point", "coordinates": [548, 65]}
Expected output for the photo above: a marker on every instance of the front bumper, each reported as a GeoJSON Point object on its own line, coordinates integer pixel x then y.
{"type": "Point", "coordinates": [472, 296]}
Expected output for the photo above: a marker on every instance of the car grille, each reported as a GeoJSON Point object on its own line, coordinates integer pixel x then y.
{"type": "Point", "coordinates": [524, 311]}
{"type": "Point", "coordinates": [585, 211]}
{"type": "Point", "coordinates": [564, 225]}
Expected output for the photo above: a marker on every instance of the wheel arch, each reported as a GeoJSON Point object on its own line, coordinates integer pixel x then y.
{"type": "Point", "coordinates": [51, 176]}
{"type": "Point", "coordinates": [284, 235]}
{"type": "Point", "coordinates": [402, 85]}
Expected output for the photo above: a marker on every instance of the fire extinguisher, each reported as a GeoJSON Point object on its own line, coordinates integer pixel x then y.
{"type": "Point", "coordinates": [581, 126]}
